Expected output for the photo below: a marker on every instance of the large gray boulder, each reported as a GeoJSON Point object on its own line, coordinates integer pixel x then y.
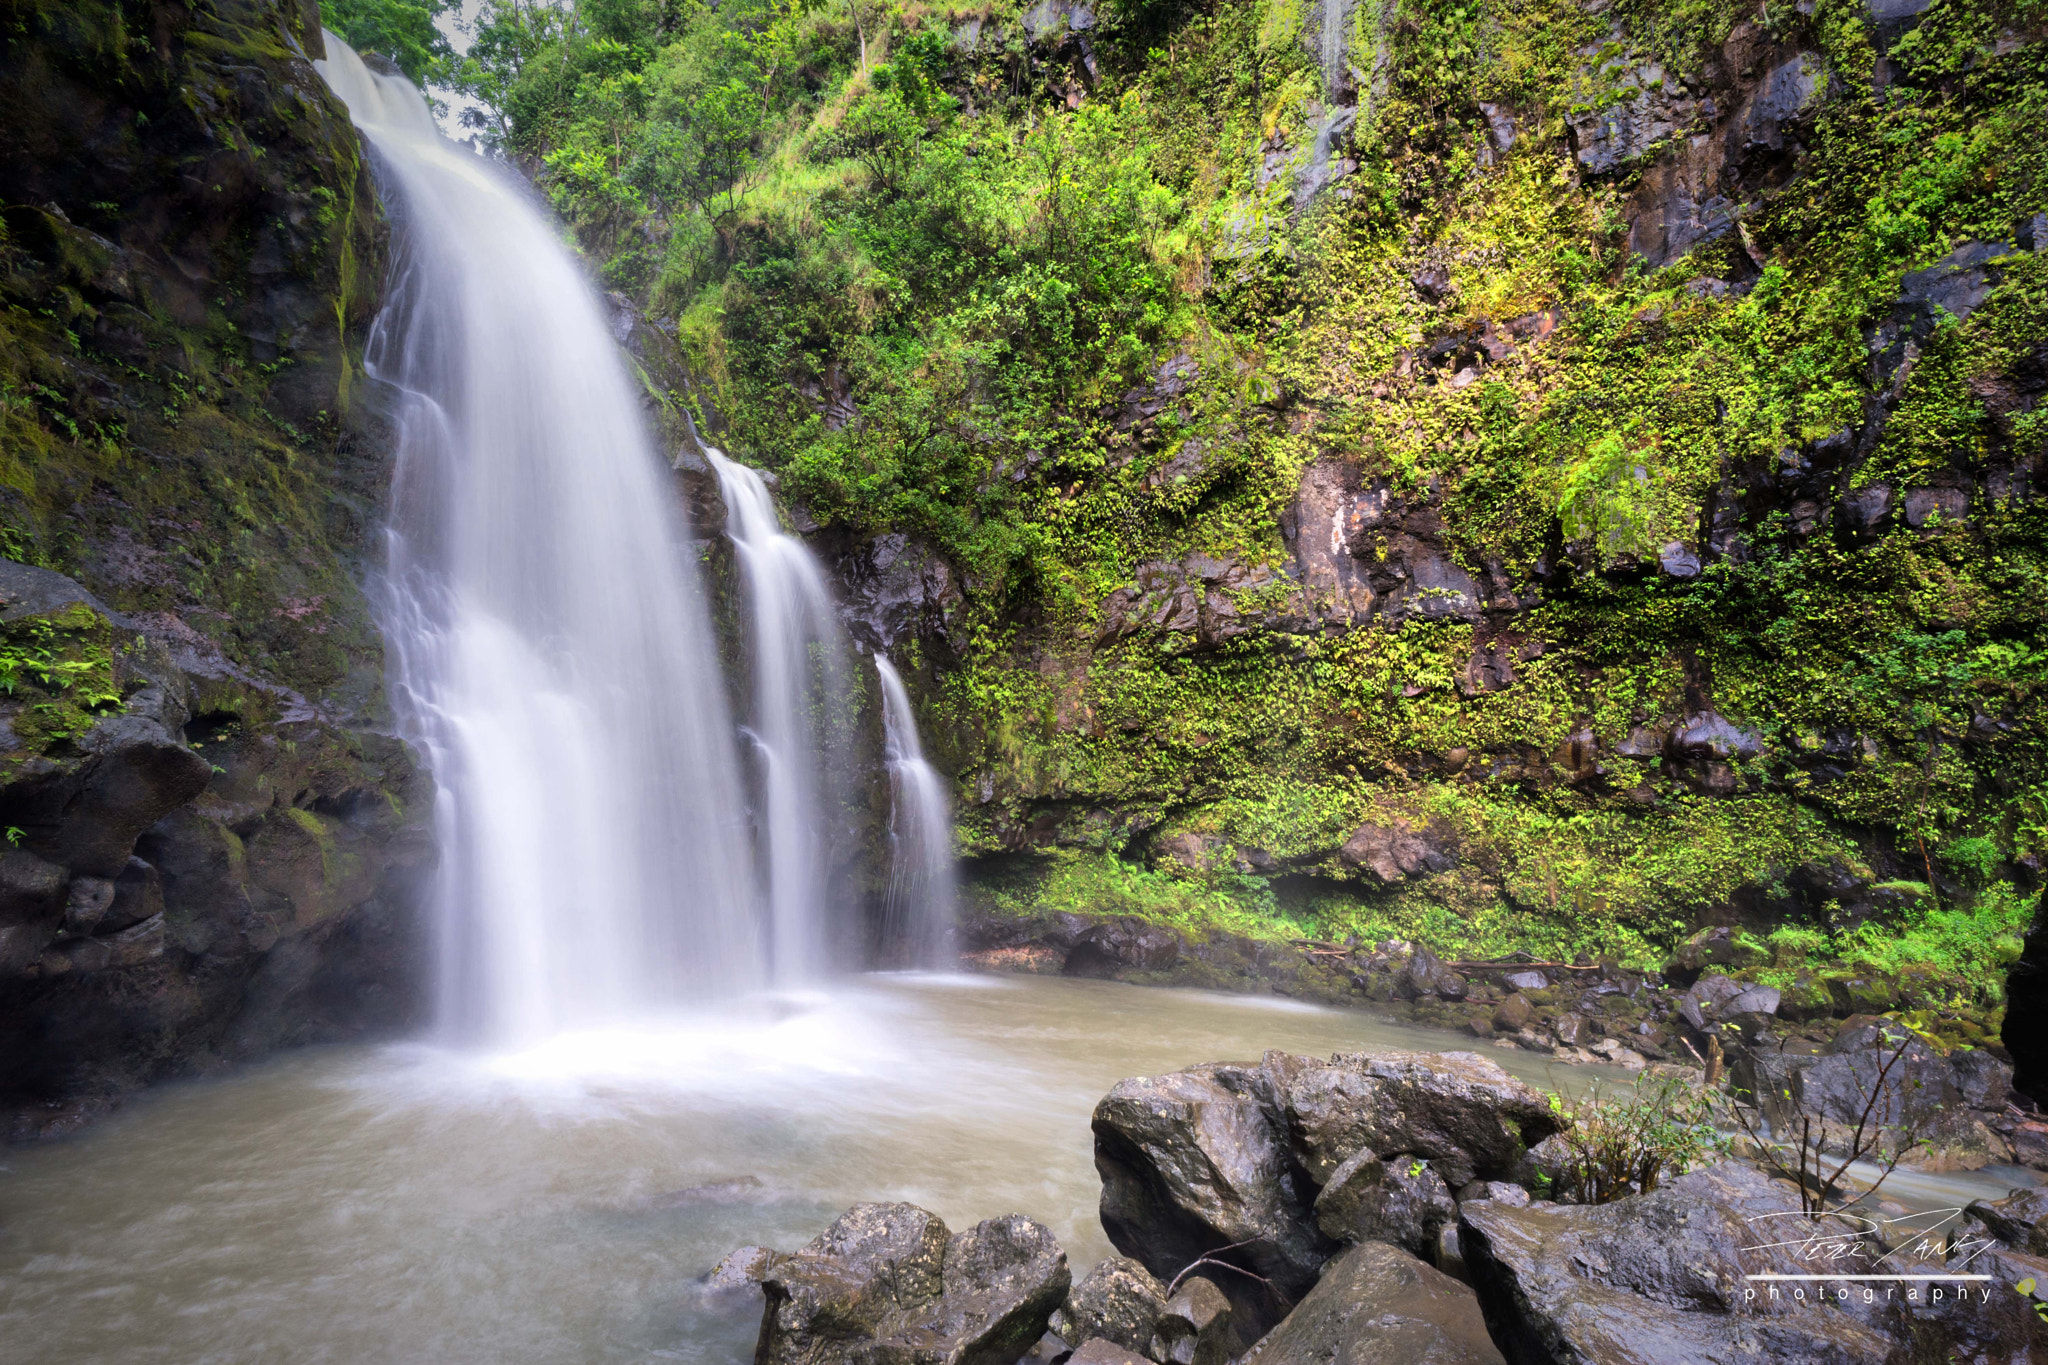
{"type": "Point", "coordinates": [886, 1283]}
{"type": "Point", "coordinates": [1654, 1278]}
{"type": "Point", "coordinates": [1227, 1161]}
{"type": "Point", "coordinates": [1377, 1305]}
{"type": "Point", "coordinates": [1472, 1119]}
{"type": "Point", "coordinates": [1198, 1163]}
{"type": "Point", "coordinates": [2020, 1220]}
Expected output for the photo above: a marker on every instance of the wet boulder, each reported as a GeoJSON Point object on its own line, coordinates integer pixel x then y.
{"type": "Point", "coordinates": [1199, 1162]}
{"type": "Point", "coordinates": [1652, 1278]}
{"type": "Point", "coordinates": [887, 1282]}
{"type": "Point", "coordinates": [1119, 1301]}
{"type": "Point", "coordinates": [1228, 1161]}
{"type": "Point", "coordinates": [2020, 1220]}
{"type": "Point", "coordinates": [1403, 1202]}
{"type": "Point", "coordinates": [1102, 1351]}
{"type": "Point", "coordinates": [1428, 976]}
{"type": "Point", "coordinates": [1196, 1327]}
{"type": "Point", "coordinates": [1376, 1305]}
{"type": "Point", "coordinates": [1467, 1116]}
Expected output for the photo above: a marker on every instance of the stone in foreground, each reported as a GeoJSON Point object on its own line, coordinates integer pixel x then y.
{"type": "Point", "coordinates": [1101, 1351]}
{"type": "Point", "coordinates": [886, 1283]}
{"type": "Point", "coordinates": [1119, 1301]}
{"type": "Point", "coordinates": [1377, 1305]}
{"type": "Point", "coordinates": [1652, 1279]}
{"type": "Point", "coordinates": [1227, 1162]}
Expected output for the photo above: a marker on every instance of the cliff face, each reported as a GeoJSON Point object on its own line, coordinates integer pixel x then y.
{"type": "Point", "coordinates": [1525, 475]}
{"type": "Point", "coordinates": [212, 839]}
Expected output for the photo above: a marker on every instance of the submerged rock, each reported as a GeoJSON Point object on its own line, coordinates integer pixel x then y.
{"type": "Point", "coordinates": [887, 1283]}
{"type": "Point", "coordinates": [1377, 1305]}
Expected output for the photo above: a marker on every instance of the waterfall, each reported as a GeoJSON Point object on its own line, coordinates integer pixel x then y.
{"type": "Point", "coordinates": [799, 693]}
{"type": "Point", "coordinates": [1336, 18]}
{"type": "Point", "coordinates": [551, 654]}
{"type": "Point", "coordinates": [919, 909]}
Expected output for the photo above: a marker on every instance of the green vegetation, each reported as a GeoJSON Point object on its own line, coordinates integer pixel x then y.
{"type": "Point", "coordinates": [56, 677]}
{"type": "Point", "coordinates": [1059, 306]}
{"type": "Point", "coordinates": [403, 30]}
{"type": "Point", "coordinates": [1626, 1142]}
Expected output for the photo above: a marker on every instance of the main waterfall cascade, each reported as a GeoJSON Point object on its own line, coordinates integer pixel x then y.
{"type": "Point", "coordinates": [551, 651]}
{"type": "Point", "coordinates": [800, 705]}
{"type": "Point", "coordinates": [918, 912]}
{"type": "Point", "coordinates": [552, 656]}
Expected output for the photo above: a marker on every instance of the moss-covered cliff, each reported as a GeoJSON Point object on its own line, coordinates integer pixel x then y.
{"type": "Point", "coordinates": [209, 831]}
{"type": "Point", "coordinates": [1520, 473]}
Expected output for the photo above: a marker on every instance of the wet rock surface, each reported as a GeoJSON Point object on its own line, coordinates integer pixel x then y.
{"type": "Point", "coordinates": [1228, 1163]}
{"type": "Point", "coordinates": [209, 867]}
{"type": "Point", "coordinates": [214, 837]}
{"type": "Point", "coordinates": [1119, 1301]}
{"type": "Point", "coordinates": [1377, 1305]}
{"type": "Point", "coordinates": [1208, 1169]}
{"type": "Point", "coordinates": [888, 1282]}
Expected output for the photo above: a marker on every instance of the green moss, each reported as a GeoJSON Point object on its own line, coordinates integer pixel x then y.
{"type": "Point", "coordinates": [57, 672]}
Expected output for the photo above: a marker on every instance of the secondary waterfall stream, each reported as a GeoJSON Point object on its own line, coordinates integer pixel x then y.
{"type": "Point", "coordinates": [799, 694]}
{"type": "Point", "coordinates": [918, 911]}
{"type": "Point", "coordinates": [550, 650]}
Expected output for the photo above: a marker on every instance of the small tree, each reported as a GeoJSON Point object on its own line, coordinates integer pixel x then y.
{"type": "Point", "coordinates": [1816, 1159]}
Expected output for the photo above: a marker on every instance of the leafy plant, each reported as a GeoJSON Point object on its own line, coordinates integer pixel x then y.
{"type": "Point", "coordinates": [1620, 1144]}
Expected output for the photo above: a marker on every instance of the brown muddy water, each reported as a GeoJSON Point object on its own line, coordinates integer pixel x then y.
{"type": "Point", "coordinates": [411, 1204]}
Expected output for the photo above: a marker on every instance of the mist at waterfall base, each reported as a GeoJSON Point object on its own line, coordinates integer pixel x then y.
{"type": "Point", "coordinates": [918, 910]}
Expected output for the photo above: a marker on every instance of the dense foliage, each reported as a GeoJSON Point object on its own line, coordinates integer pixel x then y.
{"type": "Point", "coordinates": [923, 262]}
{"type": "Point", "coordinates": [403, 30]}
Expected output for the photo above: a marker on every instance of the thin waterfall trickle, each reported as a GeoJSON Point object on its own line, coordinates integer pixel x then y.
{"type": "Point", "coordinates": [918, 912]}
{"type": "Point", "coordinates": [799, 692]}
{"type": "Point", "coordinates": [550, 649]}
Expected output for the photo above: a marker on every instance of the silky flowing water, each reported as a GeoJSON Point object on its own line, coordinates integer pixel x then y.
{"type": "Point", "coordinates": [410, 1204]}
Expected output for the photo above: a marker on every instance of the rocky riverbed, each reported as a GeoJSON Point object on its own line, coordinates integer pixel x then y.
{"type": "Point", "coordinates": [1812, 1040]}
{"type": "Point", "coordinates": [1385, 1207]}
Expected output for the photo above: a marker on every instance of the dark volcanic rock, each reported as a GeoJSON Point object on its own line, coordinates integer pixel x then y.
{"type": "Point", "coordinates": [211, 777]}
{"type": "Point", "coordinates": [1460, 1110]}
{"type": "Point", "coordinates": [2020, 1220]}
{"type": "Point", "coordinates": [1199, 1161]}
{"type": "Point", "coordinates": [1403, 1202]}
{"type": "Point", "coordinates": [1226, 1161]}
{"type": "Point", "coordinates": [886, 1283]}
{"type": "Point", "coordinates": [1195, 1328]}
{"type": "Point", "coordinates": [1119, 1301]}
{"type": "Point", "coordinates": [1653, 1278]}
{"type": "Point", "coordinates": [1123, 943]}
{"type": "Point", "coordinates": [1378, 1306]}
